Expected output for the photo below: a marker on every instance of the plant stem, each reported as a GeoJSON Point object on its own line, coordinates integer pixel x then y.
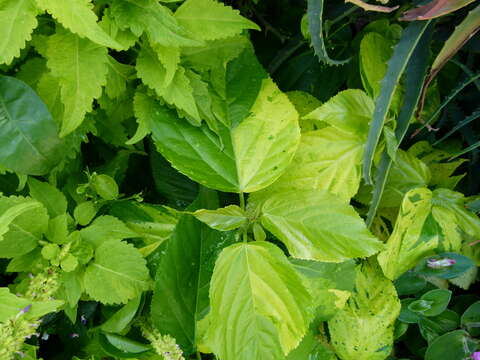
{"type": "Point", "coordinates": [242, 200]}
{"type": "Point", "coordinates": [199, 356]}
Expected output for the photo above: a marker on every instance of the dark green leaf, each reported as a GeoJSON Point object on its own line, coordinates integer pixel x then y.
{"type": "Point", "coordinates": [29, 142]}
{"type": "Point", "coordinates": [455, 345]}
{"type": "Point", "coordinates": [184, 272]}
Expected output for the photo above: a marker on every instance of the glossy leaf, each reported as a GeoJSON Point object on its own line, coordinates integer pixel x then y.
{"type": "Point", "coordinates": [29, 142]}
{"type": "Point", "coordinates": [317, 225]}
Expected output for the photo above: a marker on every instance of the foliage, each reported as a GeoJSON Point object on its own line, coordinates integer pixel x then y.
{"type": "Point", "coordinates": [187, 179]}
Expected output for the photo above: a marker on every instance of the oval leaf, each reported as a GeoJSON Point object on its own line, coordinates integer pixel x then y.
{"type": "Point", "coordinates": [29, 142]}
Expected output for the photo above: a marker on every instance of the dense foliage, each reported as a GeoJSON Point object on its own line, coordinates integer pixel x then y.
{"type": "Point", "coordinates": [239, 180]}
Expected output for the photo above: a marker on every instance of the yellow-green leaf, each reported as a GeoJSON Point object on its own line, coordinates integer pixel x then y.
{"type": "Point", "coordinates": [415, 234]}
{"type": "Point", "coordinates": [18, 19]}
{"type": "Point", "coordinates": [363, 330]}
{"type": "Point", "coordinates": [258, 304]}
{"type": "Point", "coordinates": [211, 20]}
{"type": "Point", "coordinates": [317, 225]}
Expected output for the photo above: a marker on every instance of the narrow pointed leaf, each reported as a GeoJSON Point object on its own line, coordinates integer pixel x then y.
{"type": "Point", "coordinates": [315, 28]}
{"type": "Point", "coordinates": [396, 66]}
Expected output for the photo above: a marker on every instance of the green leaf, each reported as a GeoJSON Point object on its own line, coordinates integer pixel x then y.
{"type": "Point", "coordinates": [29, 142]}
{"type": "Point", "coordinates": [153, 223]}
{"type": "Point", "coordinates": [157, 21]}
{"type": "Point", "coordinates": [179, 91]}
{"type": "Point", "coordinates": [214, 55]}
{"type": "Point", "coordinates": [258, 304]}
{"type": "Point", "coordinates": [233, 161]}
{"type": "Point", "coordinates": [10, 306]}
{"type": "Point", "coordinates": [375, 51]}
{"type": "Point", "coordinates": [190, 255]}
{"type": "Point", "coordinates": [415, 73]}
{"type": "Point", "coordinates": [407, 173]}
{"type": "Point", "coordinates": [85, 212]}
{"type": "Point", "coordinates": [106, 228]}
{"type": "Point", "coordinates": [326, 159]}
{"type": "Point", "coordinates": [462, 265]}
{"type": "Point", "coordinates": [396, 66]}
{"type": "Point", "coordinates": [224, 219]}
{"type": "Point", "coordinates": [122, 347]}
{"type": "Point", "coordinates": [52, 198]}
{"type": "Point", "coordinates": [415, 235]}
{"type": "Point", "coordinates": [317, 225]}
{"type": "Point", "coordinates": [437, 300]}
{"type": "Point", "coordinates": [117, 274]}
{"type": "Point", "coordinates": [78, 17]}
{"type": "Point", "coordinates": [81, 67]}
{"type": "Point", "coordinates": [117, 78]}
{"type": "Point", "coordinates": [432, 327]}
{"type": "Point", "coordinates": [470, 319]}
{"type": "Point", "coordinates": [372, 309]}
{"type": "Point", "coordinates": [18, 19]}
{"type": "Point", "coordinates": [124, 37]}
{"type": "Point", "coordinates": [211, 20]}
{"type": "Point", "coordinates": [350, 111]}
{"type": "Point", "coordinates": [329, 284]}
{"type": "Point", "coordinates": [71, 288]}
{"type": "Point", "coordinates": [23, 222]}
{"type": "Point", "coordinates": [105, 186]}
{"type": "Point", "coordinates": [169, 56]}
{"type": "Point", "coordinates": [119, 321]}
{"type": "Point", "coordinates": [451, 346]}
{"type": "Point", "coordinates": [315, 28]}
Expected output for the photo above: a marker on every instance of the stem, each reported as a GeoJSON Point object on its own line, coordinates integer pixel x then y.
{"type": "Point", "coordinates": [242, 206]}
{"type": "Point", "coordinates": [199, 356]}
{"type": "Point", "coordinates": [242, 201]}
